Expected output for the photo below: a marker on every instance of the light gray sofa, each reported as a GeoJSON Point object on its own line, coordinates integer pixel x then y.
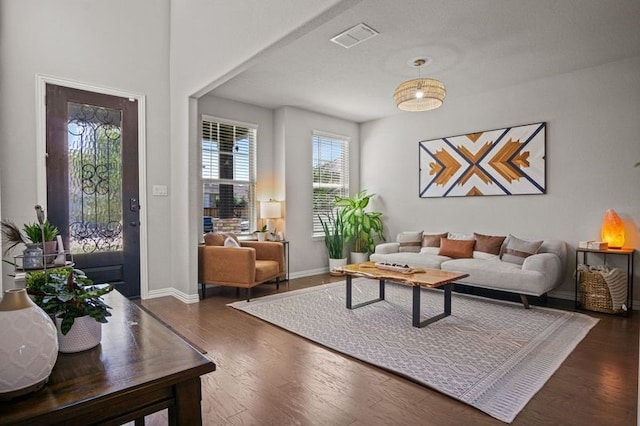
{"type": "Point", "coordinates": [538, 273]}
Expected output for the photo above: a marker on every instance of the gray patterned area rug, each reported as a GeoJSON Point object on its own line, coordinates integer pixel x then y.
{"type": "Point", "coordinates": [492, 355]}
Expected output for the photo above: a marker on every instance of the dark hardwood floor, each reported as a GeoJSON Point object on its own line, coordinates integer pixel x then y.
{"type": "Point", "coordinates": [268, 376]}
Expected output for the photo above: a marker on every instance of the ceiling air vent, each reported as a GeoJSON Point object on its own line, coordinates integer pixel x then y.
{"type": "Point", "coordinates": [354, 35]}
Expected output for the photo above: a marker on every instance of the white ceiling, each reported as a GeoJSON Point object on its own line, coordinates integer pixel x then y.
{"type": "Point", "coordinates": [474, 45]}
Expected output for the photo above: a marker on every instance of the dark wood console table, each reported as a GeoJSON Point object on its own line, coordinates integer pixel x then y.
{"type": "Point", "coordinates": [139, 368]}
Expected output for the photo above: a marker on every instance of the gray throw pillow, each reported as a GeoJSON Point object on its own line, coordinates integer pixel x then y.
{"type": "Point", "coordinates": [517, 250]}
{"type": "Point", "coordinates": [410, 241]}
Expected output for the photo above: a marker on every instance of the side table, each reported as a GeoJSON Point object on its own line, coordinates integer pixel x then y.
{"type": "Point", "coordinates": [628, 252]}
{"type": "Point", "coordinates": [286, 257]}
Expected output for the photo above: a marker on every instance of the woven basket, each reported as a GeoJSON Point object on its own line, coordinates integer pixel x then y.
{"type": "Point", "coordinates": [595, 293]}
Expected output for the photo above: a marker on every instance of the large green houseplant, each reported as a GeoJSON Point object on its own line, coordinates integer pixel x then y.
{"type": "Point", "coordinates": [360, 226]}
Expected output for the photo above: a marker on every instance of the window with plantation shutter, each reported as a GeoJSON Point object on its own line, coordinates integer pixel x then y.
{"type": "Point", "coordinates": [330, 174]}
{"type": "Point", "coordinates": [228, 176]}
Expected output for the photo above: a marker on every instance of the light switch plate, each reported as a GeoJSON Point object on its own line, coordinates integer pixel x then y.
{"type": "Point", "coordinates": [160, 190]}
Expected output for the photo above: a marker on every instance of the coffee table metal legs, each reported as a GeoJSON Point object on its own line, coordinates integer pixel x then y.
{"type": "Point", "coordinates": [416, 306]}
{"type": "Point", "coordinates": [350, 304]}
{"type": "Point", "coordinates": [416, 302]}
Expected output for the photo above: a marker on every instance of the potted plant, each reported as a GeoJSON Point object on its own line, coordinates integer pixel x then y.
{"type": "Point", "coordinates": [334, 240]}
{"type": "Point", "coordinates": [32, 237]}
{"type": "Point", "coordinates": [360, 226]}
{"type": "Point", "coordinates": [262, 233]}
{"type": "Point", "coordinates": [75, 304]}
{"type": "Point", "coordinates": [45, 235]}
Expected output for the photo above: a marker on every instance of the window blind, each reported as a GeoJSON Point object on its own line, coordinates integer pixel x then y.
{"type": "Point", "coordinates": [228, 174]}
{"type": "Point", "coordinates": [330, 174]}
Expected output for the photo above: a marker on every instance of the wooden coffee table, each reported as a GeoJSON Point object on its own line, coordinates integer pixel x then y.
{"type": "Point", "coordinates": [430, 278]}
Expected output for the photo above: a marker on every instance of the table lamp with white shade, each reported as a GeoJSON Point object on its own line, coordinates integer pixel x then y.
{"type": "Point", "coordinates": [270, 210]}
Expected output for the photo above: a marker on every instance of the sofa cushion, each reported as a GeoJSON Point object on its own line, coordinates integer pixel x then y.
{"type": "Point", "coordinates": [457, 249]}
{"type": "Point", "coordinates": [410, 241]}
{"type": "Point", "coordinates": [266, 270]}
{"type": "Point", "coordinates": [504, 276]}
{"type": "Point", "coordinates": [433, 240]}
{"type": "Point", "coordinates": [485, 256]}
{"type": "Point", "coordinates": [517, 250]}
{"type": "Point", "coordinates": [488, 243]}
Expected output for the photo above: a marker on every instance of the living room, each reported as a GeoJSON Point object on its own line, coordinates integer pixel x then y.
{"type": "Point", "coordinates": [179, 57]}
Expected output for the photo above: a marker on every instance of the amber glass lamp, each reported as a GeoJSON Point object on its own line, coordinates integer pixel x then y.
{"type": "Point", "coordinates": [612, 229]}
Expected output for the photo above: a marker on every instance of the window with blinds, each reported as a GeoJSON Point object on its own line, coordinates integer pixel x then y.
{"type": "Point", "coordinates": [330, 174]}
{"type": "Point", "coordinates": [228, 176]}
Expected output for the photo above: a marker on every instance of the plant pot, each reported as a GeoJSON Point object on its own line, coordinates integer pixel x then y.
{"type": "Point", "coordinates": [85, 333]}
{"type": "Point", "coordinates": [359, 257]}
{"type": "Point", "coordinates": [29, 347]}
{"type": "Point", "coordinates": [262, 236]}
{"type": "Point", "coordinates": [50, 249]}
{"type": "Point", "coordinates": [335, 264]}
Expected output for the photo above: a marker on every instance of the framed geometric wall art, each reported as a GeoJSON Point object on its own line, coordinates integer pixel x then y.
{"type": "Point", "coordinates": [505, 161]}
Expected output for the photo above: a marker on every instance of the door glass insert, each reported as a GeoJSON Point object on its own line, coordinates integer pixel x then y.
{"type": "Point", "coordinates": [95, 178]}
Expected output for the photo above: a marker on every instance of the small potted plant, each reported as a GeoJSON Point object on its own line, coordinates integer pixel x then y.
{"type": "Point", "coordinates": [32, 237]}
{"type": "Point", "coordinates": [45, 235]}
{"type": "Point", "coordinates": [360, 226]}
{"type": "Point", "coordinates": [74, 302]}
{"type": "Point", "coordinates": [334, 240]}
{"type": "Point", "coordinates": [262, 233]}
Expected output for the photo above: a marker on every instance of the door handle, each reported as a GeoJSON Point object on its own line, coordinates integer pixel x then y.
{"type": "Point", "coordinates": [133, 223]}
{"type": "Point", "coordinates": [133, 205]}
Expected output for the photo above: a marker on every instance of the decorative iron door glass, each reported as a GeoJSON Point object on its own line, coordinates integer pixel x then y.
{"type": "Point", "coordinates": [505, 161]}
{"type": "Point", "coordinates": [95, 179]}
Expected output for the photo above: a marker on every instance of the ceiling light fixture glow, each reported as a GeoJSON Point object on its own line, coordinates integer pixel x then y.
{"type": "Point", "coordinates": [419, 94]}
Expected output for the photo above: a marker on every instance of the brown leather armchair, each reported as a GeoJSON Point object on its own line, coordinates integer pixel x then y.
{"type": "Point", "coordinates": [247, 266]}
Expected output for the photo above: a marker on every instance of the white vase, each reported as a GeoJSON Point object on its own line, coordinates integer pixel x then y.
{"type": "Point", "coordinates": [359, 257]}
{"type": "Point", "coordinates": [262, 236]}
{"type": "Point", "coordinates": [28, 345]}
{"type": "Point", "coordinates": [85, 333]}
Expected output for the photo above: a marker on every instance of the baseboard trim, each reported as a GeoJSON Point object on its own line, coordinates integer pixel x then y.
{"type": "Point", "coordinates": [181, 296]}
{"type": "Point", "coordinates": [309, 273]}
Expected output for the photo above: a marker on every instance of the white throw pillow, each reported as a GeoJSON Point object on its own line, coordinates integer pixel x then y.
{"type": "Point", "coordinates": [230, 242]}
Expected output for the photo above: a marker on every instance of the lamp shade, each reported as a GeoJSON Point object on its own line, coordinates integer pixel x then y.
{"type": "Point", "coordinates": [612, 229]}
{"type": "Point", "coordinates": [419, 94]}
{"type": "Point", "coordinates": [270, 210]}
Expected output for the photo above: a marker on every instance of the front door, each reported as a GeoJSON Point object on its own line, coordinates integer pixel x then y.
{"type": "Point", "coordinates": [92, 183]}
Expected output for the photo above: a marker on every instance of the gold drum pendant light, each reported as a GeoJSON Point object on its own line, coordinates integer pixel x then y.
{"type": "Point", "coordinates": [419, 94]}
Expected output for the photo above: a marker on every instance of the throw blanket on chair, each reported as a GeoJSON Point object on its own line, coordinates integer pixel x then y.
{"type": "Point", "coordinates": [616, 280]}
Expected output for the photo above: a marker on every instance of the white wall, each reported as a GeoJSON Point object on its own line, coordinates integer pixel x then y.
{"type": "Point", "coordinates": [592, 146]}
{"type": "Point", "coordinates": [116, 44]}
{"type": "Point", "coordinates": [295, 128]}
{"type": "Point", "coordinates": [210, 41]}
